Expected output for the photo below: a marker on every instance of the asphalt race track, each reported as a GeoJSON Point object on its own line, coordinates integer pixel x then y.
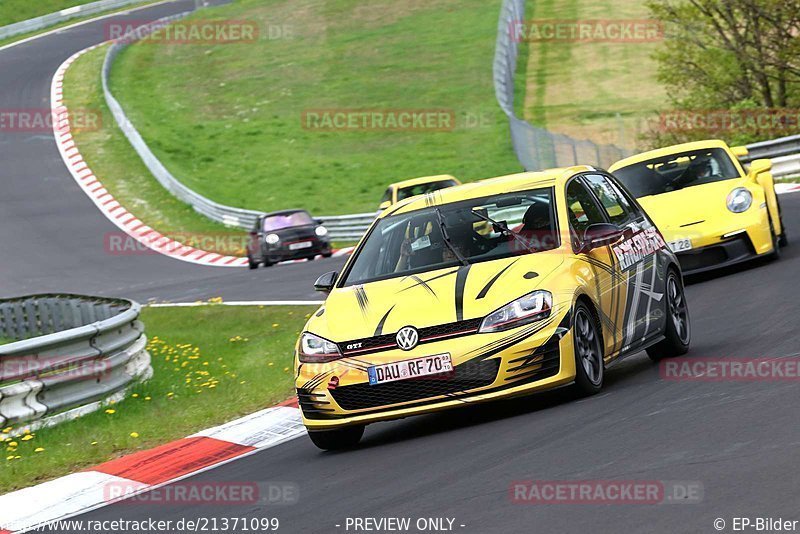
{"type": "Point", "coordinates": [740, 441]}
{"type": "Point", "coordinates": [52, 235]}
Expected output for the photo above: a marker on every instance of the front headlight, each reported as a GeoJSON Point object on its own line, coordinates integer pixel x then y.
{"type": "Point", "coordinates": [272, 239]}
{"type": "Point", "coordinates": [532, 307]}
{"type": "Point", "coordinates": [740, 200]}
{"type": "Point", "coordinates": [315, 349]}
{"type": "Point", "coordinates": [321, 231]}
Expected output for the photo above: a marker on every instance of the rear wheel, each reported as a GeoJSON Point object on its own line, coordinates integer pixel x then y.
{"type": "Point", "coordinates": [589, 364]}
{"type": "Point", "coordinates": [678, 332]}
{"type": "Point", "coordinates": [341, 438]}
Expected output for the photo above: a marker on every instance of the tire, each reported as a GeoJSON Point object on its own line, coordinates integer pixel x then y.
{"type": "Point", "coordinates": [588, 349]}
{"type": "Point", "coordinates": [776, 253]}
{"type": "Point", "coordinates": [267, 263]}
{"type": "Point", "coordinates": [251, 264]}
{"type": "Point", "coordinates": [327, 254]}
{"type": "Point", "coordinates": [678, 332]}
{"type": "Point", "coordinates": [341, 438]}
{"type": "Point", "coordinates": [783, 240]}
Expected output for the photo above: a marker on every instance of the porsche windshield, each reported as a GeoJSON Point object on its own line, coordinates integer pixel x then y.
{"type": "Point", "coordinates": [677, 171]}
{"type": "Point", "coordinates": [454, 234]}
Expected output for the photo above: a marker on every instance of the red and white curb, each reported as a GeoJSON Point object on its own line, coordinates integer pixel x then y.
{"type": "Point", "coordinates": [94, 488]}
{"type": "Point", "coordinates": [786, 188]}
{"type": "Point", "coordinates": [107, 204]}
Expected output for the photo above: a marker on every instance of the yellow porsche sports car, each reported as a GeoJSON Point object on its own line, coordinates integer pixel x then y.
{"type": "Point", "coordinates": [429, 313]}
{"type": "Point", "coordinates": [712, 212]}
{"type": "Point", "coordinates": [416, 186]}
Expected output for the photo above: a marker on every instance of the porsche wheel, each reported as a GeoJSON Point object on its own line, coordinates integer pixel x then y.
{"type": "Point", "coordinates": [678, 332]}
{"type": "Point", "coordinates": [341, 438]}
{"type": "Point", "coordinates": [589, 364]}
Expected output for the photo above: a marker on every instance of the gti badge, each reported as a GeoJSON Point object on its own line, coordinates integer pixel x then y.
{"type": "Point", "coordinates": [407, 338]}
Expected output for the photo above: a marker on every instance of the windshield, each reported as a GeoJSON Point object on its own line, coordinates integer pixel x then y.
{"type": "Point", "coordinates": [286, 220]}
{"type": "Point", "coordinates": [415, 242]}
{"type": "Point", "coordinates": [676, 171]}
{"type": "Point", "coordinates": [421, 189]}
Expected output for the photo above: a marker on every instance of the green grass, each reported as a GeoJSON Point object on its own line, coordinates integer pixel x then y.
{"type": "Point", "coordinates": [605, 92]}
{"type": "Point", "coordinates": [122, 172]}
{"type": "Point", "coordinates": [247, 354]}
{"type": "Point", "coordinates": [226, 119]}
{"type": "Point", "coordinates": [6, 340]}
{"type": "Point", "coordinates": [9, 10]}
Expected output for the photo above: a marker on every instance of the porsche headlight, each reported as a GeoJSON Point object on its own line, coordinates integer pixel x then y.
{"type": "Point", "coordinates": [740, 200]}
{"type": "Point", "coordinates": [315, 349]}
{"type": "Point", "coordinates": [272, 239]}
{"type": "Point", "coordinates": [321, 231]}
{"type": "Point", "coordinates": [532, 307]}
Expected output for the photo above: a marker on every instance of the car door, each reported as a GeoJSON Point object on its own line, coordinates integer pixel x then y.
{"type": "Point", "coordinates": [597, 268]}
{"type": "Point", "coordinates": [635, 260]}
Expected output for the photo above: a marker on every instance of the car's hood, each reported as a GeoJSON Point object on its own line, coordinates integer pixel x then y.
{"type": "Point", "coordinates": [677, 211]}
{"type": "Point", "coordinates": [431, 298]}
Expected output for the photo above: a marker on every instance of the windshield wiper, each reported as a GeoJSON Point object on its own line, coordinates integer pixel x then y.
{"type": "Point", "coordinates": [502, 228]}
{"type": "Point", "coordinates": [446, 237]}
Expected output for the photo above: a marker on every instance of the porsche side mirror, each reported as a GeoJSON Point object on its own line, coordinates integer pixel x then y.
{"type": "Point", "coordinates": [384, 205]}
{"type": "Point", "coordinates": [740, 151]}
{"type": "Point", "coordinates": [601, 235]}
{"type": "Point", "coordinates": [759, 166]}
{"type": "Point", "coordinates": [326, 282]}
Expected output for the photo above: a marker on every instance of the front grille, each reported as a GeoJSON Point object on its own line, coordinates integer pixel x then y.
{"type": "Point", "coordinates": [467, 376]}
{"type": "Point", "coordinates": [426, 335]}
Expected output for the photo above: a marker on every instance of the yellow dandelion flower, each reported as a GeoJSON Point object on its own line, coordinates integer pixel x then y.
{"type": "Point", "coordinates": [134, 434]}
{"type": "Point", "coordinates": [135, 395]}
{"type": "Point", "coordinates": [13, 444]}
{"type": "Point", "coordinates": [27, 437]}
{"type": "Point", "coordinates": [93, 443]}
{"type": "Point", "coordinates": [147, 398]}
{"type": "Point", "coordinates": [110, 411]}
{"type": "Point", "coordinates": [38, 449]}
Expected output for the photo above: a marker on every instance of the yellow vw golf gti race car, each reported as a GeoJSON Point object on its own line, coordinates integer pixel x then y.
{"type": "Point", "coordinates": [488, 290]}
{"type": "Point", "coordinates": [713, 213]}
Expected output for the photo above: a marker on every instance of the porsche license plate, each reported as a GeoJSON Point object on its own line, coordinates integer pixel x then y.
{"type": "Point", "coordinates": [425, 366]}
{"type": "Point", "coordinates": [682, 245]}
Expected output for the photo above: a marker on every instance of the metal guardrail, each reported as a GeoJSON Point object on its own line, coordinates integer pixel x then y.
{"type": "Point", "coordinates": [51, 19]}
{"type": "Point", "coordinates": [537, 148]}
{"type": "Point", "coordinates": [784, 153]}
{"type": "Point", "coordinates": [347, 227]}
{"type": "Point", "coordinates": [71, 351]}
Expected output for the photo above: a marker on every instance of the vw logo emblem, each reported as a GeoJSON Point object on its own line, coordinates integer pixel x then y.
{"type": "Point", "coordinates": [407, 338]}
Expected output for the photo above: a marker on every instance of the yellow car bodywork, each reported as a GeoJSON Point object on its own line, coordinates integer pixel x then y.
{"type": "Point", "coordinates": [391, 196]}
{"type": "Point", "coordinates": [700, 213]}
{"type": "Point", "coordinates": [521, 360]}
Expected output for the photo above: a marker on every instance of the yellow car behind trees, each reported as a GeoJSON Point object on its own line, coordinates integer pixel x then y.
{"type": "Point", "coordinates": [435, 309]}
{"type": "Point", "coordinates": [711, 211]}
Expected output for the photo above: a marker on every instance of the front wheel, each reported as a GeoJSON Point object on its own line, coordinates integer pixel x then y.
{"type": "Point", "coordinates": [251, 263]}
{"type": "Point", "coordinates": [589, 363]}
{"type": "Point", "coordinates": [341, 438]}
{"type": "Point", "coordinates": [678, 332]}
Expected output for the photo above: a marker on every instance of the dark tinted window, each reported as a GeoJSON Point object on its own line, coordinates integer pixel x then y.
{"type": "Point", "coordinates": [582, 209]}
{"type": "Point", "coordinates": [421, 189]}
{"type": "Point", "coordinates": [677, 171]}
{"type": "Point", "coordinates": [617, 207]}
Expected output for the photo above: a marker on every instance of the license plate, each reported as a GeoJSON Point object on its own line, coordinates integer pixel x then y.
{"type": "Point", "coordinates": [426, 366]}
{"type": "Point", "coordinates": [682, 245]}
{"type": "Point", "coordinates": [298, 246]}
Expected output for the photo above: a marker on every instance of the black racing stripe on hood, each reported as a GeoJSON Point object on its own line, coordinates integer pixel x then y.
{"type": "Point", "coordinates": [489, 285]}
{"type": "Point", "coordinates": [428, 280]}
{"type": "Point", "coordinates": [361, 297]}
{"type": "Point", "coordinates": [420, 282]}
{"type": "Point", "coordinates": [461, 282]}
{"type": "Point", "coordinates": [379, 328]}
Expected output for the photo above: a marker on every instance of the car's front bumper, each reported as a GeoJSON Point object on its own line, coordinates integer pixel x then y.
{"type": "Point", "coordinates": [284, 253]}
{"type": "Point", "coordinates": [522, 364]}
{"type": "Point", "coordinates": [743, 238]}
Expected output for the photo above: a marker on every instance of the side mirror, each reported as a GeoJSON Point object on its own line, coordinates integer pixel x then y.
{"type": "Point", "coordinates": [384, 205]}
{"type": "Point", "coordinates": [601, 235]}
{"type": "Point", "coordinates": [740, 151]}
{"type": "Point", "coordinates": [318, 221]}
{"type": "Point", "coordinates": [326, 282]}
{"type": "Point", "coordinates": [759, 166]}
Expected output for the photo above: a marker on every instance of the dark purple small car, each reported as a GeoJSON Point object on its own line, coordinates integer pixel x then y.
{"type": "Point", "coordinates": [286, 235]}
